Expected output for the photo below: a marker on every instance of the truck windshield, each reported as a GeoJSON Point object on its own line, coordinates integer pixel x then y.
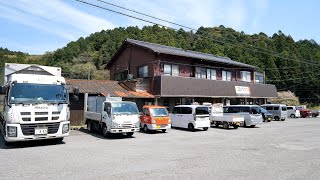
{"type": "Point", "coordinates": [158, 112]}
{"type": "Point", "coordinates": [38, 93]}
{"type": "Point", "coordinates": [124, 108]}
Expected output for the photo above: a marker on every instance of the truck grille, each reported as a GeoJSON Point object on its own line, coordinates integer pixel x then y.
{"type": "Point", "coordinates": [28, 129]}
{"type": "Point", "coordinates": [25, 113]}
{"type": "Point", "coordinates": [126, 125]}
{"type": "Point", "coordinates": [55, 118]}
{"type": "Point", "coordinates": [26, 119]}
{"type": "Point", "coordinates": [41, 113]}
{"type": "Point", "coordinates": [56, 112]}
{"type": "Point", "coordinates": [41, 119]}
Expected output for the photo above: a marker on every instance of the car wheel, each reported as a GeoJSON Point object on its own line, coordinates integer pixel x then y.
{"type": "Point", "coordinates": [205, 128]}
{"type": "Point", "coordinates": [276, 118]}
{"type": "Point", "coordinates": [191, 127]}
{"type": "Point", "coordinates": [145, 129]}
{"type": "Point", "coordinates": [292, 116]}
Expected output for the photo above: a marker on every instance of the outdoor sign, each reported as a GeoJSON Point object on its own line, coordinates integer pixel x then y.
{"type": "Point", "coordinates": [243, 90]}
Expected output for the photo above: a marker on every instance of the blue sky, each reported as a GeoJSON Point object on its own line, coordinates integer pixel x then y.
{"type": "Point", "coordinates": [38, 26]}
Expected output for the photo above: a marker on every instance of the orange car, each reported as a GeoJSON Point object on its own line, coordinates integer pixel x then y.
{"type": "Point", "coordinates": [155, 118]}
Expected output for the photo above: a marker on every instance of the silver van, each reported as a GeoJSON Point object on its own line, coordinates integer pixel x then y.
{"type": "Point", "coordinates": [251, 113]}
{"type": "Point", "coordinates": [279, 111]}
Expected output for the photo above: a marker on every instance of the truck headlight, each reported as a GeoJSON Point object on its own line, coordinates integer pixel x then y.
{"type": "Point", "coordinates": [65, 128]}
{"type": "Point", "coordinates": [12, 131]}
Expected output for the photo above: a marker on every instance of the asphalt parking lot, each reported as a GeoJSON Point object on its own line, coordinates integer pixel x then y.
{"type": "Point", "coordinates": [275, 150]}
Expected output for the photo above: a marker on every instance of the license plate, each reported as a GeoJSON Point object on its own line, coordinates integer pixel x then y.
{"type": "Point", "coordinates": [40, 131]}
{"type": "Point", "coordinates": [158, 127]}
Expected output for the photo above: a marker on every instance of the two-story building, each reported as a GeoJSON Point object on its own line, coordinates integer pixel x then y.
{"type": "Point", "coordinates": [178, 76]}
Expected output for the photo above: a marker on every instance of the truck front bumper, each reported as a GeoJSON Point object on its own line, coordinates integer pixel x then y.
{"type": "Point", "coordinates": [22, 137]}
{"type": "Point", "coordinates": [123, 130]}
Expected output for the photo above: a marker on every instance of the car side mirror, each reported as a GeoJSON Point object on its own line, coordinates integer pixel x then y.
{"type": "Point", "coordinates": [3, 90]}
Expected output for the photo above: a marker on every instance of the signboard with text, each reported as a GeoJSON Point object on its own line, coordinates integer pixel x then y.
{"type": "Point", "coordinates": [243, 90]}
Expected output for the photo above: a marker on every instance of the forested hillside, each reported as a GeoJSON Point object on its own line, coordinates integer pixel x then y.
{"type": "Point", "coordinates": [288, 64]}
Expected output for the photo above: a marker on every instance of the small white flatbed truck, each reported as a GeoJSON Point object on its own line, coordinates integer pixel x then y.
{"type": "Point", "coordinates": [112, 115]}
{"type": "Point", "coordinates": [217, 118]}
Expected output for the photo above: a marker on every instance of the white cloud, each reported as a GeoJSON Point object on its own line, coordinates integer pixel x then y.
{"type": "Point", "coordinates": [53, 16]}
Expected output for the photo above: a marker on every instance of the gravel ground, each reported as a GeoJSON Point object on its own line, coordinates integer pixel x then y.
{"type": "Point", "coordinates": [275, 150]}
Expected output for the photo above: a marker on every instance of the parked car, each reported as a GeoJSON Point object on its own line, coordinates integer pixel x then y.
{"type": "Point", "coordinates": [293, 112]}
{"type": "Point", "coordinates": [154, 118]}
{"type": "Point", "coordinates": [191, 117]}
{"type": "Point", "coordinates": [279, 111]}
{"type": "Point", "coordinates": [251, 113]}
{"type": "Point", "coordinates": [266, 115]}
{"type": "Point", "coordinates": [304, 112]}
{"type": "Point", "coordinates": [315, 113]}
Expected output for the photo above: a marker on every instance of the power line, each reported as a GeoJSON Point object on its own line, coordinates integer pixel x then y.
{"type": "Point", "coordinates": [170, 22]}
{"type": "Point", "coordinates": [151, 22]}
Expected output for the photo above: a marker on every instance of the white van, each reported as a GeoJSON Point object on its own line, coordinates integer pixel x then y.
{"type": "Point", "coordinates": [251, 113]}
{"type": "Point", "coordinates": [293, 112]}
{"type": "Point", "coordinates": [191, 117]}
{"type": "Point", "coordinates": [279, 111]}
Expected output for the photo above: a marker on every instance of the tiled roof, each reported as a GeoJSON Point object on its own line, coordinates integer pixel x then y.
{"type": "Point", "coordinates": [158, 48]}
{"type": "Point", "coordinates": [106, 87]}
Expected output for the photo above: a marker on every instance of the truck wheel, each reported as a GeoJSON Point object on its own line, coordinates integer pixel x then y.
{"type": "Point", "coordinates": [283, 119]}
{"type": "Point", "coordinates": [105, 132]}
{"type": "Point", "coordinates": [276, 118]}
{"type": "Point", "coordinates": [145, 129]}
{"type": "Point", "coordinates": [235, 126]}
{"type": "Point", "coordinates": [292, 116]}
{"type": "Point", "coordinates": [129, 134]}
{"type": "Point", "coordinates": [225, 125]}
{"type": "Point", "coordinates": [164, 130]}
{"type": "Point", "coordinates": [205, 128]}
{"type": "Point", "coordinates": [90, 126]}
{"type": "Point", "coordinates": [191, 127]}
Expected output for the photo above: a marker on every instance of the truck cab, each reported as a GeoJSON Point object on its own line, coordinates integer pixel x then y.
{"type": "Point", "coordinates": [34, 106]}
{"type": "Point", "coordinates": [155, 118]}
{"type": "Point", "coordinates": [111, 115]}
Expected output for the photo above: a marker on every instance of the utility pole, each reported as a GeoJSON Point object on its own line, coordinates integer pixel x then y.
{"type": "Point", "coordinates": [89, 73]}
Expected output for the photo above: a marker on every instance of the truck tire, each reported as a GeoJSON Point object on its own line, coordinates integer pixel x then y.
{"type": "Point", "coordinates": [235, 126]}
{"type": "Point", "coordinates": [105, 132]}
{"type": "Point", "coordinates": [191, 127]}
{"type": "Point", "coordinates": [225, 125]}
{"type": "Point", "coordinates": [130, 134]}
{"type": "Point", "coordinates": [292, 116]}
{"type": "Point", "coordinates": [283, 119]}
{"type": "Point", "coordinates": [89, 126]}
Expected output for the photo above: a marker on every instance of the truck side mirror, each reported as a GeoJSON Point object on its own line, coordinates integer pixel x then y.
{"type": "Point", "coordinates": [3, 90]}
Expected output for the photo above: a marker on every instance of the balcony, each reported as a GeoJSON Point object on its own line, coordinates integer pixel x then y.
{"type": "Point", "coordinates": [169, 86]}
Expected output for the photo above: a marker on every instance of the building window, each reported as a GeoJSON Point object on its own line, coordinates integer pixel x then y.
{"type": "Point", "coordinates": [171, 70]}
{"type": "Point", "coordinates": [226, 75]}
{"type": "Point", "coordinates": [143, 71]}
{"type": "Point", "coordinates": [211, 74]}
{"type": "Point", "coordinates": [201, 73]}
{"type": "Point", "coordinates": [259, 78]}
{"type": "Point", "coordinates": [245, 76]}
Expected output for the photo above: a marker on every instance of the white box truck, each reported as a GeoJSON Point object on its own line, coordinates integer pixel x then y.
{"type": "Point", "coordinates": [34, 103]}
{"type": "Point", "coordinates": [112, 115]}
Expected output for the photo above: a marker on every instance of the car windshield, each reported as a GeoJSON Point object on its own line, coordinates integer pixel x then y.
{"type": "Point", "coordinates": [158, 112]}
{"type": "Point", "coordinates": [124, 108]}
{"type": "Point", "coordinates": [38, 93]}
